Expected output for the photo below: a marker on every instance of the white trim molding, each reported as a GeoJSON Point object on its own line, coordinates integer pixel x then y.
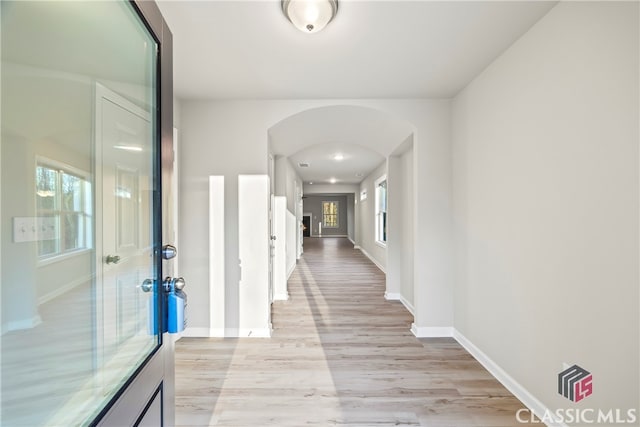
{"type": "Point", "coordinates": [431, 331]}
{"type": "Point", "coordinates": [281, 297]}
{"type": "Point", "coordinates": [19, 325]}
{"type": "Point", "coordinates": [533, 404]}
{"type": "Point", "coordinates": [291, 270]}
{"type": "Point", "coordinates": [521, 393]}
{"type": "Point", "coordinates": [63, 289]}
{"type": "Point", "coordinates": [227, 333]}
{"type": "Point", "coordinates": [371, 258]}
{"type": "Point", "coordinates": [392, 296]}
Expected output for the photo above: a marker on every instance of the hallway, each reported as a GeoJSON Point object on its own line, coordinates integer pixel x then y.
{"type": "Point", "coordinates": [340, 355]}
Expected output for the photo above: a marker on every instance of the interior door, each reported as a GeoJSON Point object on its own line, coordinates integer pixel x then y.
{"type": "Point", "coordinates": [86, 161]}
{"type": "Point", "coordinates": [125, 250]}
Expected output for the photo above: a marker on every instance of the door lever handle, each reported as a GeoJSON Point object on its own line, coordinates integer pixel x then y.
{"type": "Point", "coordinates": [112, 259]}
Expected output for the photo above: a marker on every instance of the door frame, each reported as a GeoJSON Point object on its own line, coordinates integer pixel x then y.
{"type": "Point", "coordinates": [310, 215]}
{"type": "Point", "coordinates": [155, 375]}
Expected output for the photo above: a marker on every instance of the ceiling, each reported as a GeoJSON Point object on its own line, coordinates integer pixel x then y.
{"type": "Point", "coordinates": [363, 136]}
{"type": "Point", "coordinates": [373, 49]}
{"type": "Point", "coordinates": [356, 163]}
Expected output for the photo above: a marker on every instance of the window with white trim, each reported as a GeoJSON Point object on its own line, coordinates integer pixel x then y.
{"type": "Point", "coordinates": [381, 210]}
{"type": "Point", "coordinates": [330, 214]}
{"type": "Point", "coordinates": [63, 209]}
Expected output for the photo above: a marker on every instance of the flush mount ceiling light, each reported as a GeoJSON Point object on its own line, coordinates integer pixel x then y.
{"type": "Point", "coordinates": [310, 16]}
{"type": "Point", "coordinates": [338, 157]}
{"type": "Point", "coordinates": [332, 180]}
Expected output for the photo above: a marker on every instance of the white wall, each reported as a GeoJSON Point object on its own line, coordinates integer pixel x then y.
{"type": "Point", "coordinates": [546, 204]}
{"type": "Point", "coordinates": [408, 228]}
{"type": "Point", "coordinates": [367, 219]}
{"type": "Point", "coordinates": [313, 206]}
{"type": "Point", "coordinates": [331, 188]}
{"type": "Point", "coordinates": [351, 217]}
{"type": "Point", "coordinates": [214, 142]}
{"type": "Point", "coordinates": [290, 250]}
{"type": "Point", "coordinates": [400, 225]}
{"type": "Point", "coordinates": [286, 180]}
{"type": "Point", "coordinates": [230, 137]}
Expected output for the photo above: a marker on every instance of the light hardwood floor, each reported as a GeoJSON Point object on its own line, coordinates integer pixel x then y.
{"type": "Point", "coordinates": [340, 355]}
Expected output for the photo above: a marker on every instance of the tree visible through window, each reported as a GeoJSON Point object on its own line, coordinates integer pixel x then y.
{"type": "Point", "coordinates": [330, 214]}
{"type": "Point", "coordinates": [63, 208]}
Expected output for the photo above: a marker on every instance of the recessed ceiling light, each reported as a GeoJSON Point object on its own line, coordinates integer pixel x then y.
{"type": "Point", "coordinates": [359, 175]}
{"type": "Point", "coordinates": [332, 180]}
{"type": "Point", "coordinates": [338, 157]}
{"type": "Point", "coordinates": [310, 183]}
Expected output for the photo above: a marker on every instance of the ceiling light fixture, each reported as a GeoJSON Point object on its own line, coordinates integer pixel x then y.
{"type": "Point", "coordinates": [332, 180]}
{"type": "Point", "coordinates": [310, 183]}
{"type": "Point", "coordinates": [310, 16]}
{"type": "Point", "coordinates": [338, 157]}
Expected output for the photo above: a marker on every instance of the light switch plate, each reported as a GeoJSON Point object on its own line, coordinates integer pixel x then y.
{"type": "Point", "coordinates": [24, 229]}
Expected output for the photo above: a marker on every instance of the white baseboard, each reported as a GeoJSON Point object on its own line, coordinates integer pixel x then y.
{"type": "Point", "coordinates": [372, 259]}
{"type": "Point", "coordinates": [199, 333]}
{"type": "Point", "coordinates": [252, 333]}
{"type": "Point", "coordinates": [281, 297]}
{"type": "Point", "coordinates": [533, 404]}
{"type": "Point", "coordinates": [356, 247]}
{"type": "Point", "coordinates": [392, 296]}
{"type": "Point", "coordinates": [227, 333]}
{"type": "Point", "coordinates": [18, 325]}
{"type": "Point", "coordinates": [537, 407]}
{"type": "Point", "coordinates": [407, 305]}
{"type": "Point", "coordinates": [63, 290]}
{"type": "Point", "coordinates": [290, 272]}
{"type": "Point", "coordinates": [431, 331]}
{"type": "Point", "coordinates": [354, 243]}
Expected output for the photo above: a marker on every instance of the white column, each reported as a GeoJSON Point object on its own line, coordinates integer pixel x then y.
{"type": "Point", "coordinates": [280, 291]}
{"type": "Point", "coordinates": [253, 250]}
{"type": "Point", "coordinates": [216, 257]}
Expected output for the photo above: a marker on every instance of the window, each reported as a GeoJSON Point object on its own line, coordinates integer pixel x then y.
{"type": "Point", "coordinates": [63, 208]}
{"type": "Point", "coordinates": [381, 210]}
{"type": "Point", "coordinates": [330, 214]}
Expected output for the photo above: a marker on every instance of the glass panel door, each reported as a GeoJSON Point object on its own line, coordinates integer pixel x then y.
{"type": "Point", "coordinates": [79, 202]}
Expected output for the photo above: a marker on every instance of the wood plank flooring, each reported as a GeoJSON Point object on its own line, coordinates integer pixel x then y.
{"type": "Point", "coordinates": [340, 355]}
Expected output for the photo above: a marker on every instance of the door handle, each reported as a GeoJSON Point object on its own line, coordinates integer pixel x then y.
{"type": "Point", "coordinates": [147, 285]}
{"type": "Point", "coordinates": [169, 252]}
{"type": "Point", "coordinates": [112, 259]}
{"type": "Point", "coordinates": [171, 284]}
